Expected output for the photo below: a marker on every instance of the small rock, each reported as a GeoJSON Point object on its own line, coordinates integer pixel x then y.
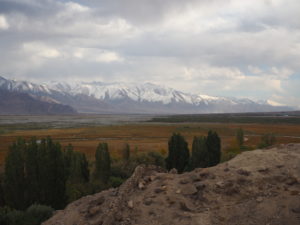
{"type": "Point", "coordinates": [200, 185]}
{"type": "Point", "coordinates": [141, 185]}
{"type": "Point", "coordinates": [259, 199]}
{"type": "Point", "coordinates": [220, 184]}
{"type": "Point", "coordinates": [195, 178]}
{"type": "Point", "coordinates": [178, 191]}
{"type": "Point", "coordinates": [130, 204]}
{"type": "Point", "coordinates": [184, 207]}
{"type": "Point", "coordinates": [296, 209]}
{"type": "Point", "coordinates": [158, 190]}
{"type": "Point", "coordinates": [164, 187]}
{"type": "Point", "coordinates": [184, 181]}
{"type": "Point", "coordinates": [173, 171]}
{"type": "Point", "coordinates": [204, 175]}
{"type": "Point", "coordinates": [189, 189]}
{"type": "Point", "coordinates": [226, 169]}
{"type": "Point", "coordinates": [148, 201]}
{"type": "Point", "coordinates": [152, 178]}
{"type": "Point", "coordinates": [243, 172]}
{"type": "Point", "coordinates": [93, 211]}
{"type": "Point", "coordinates": [263, 169]}
{"type": "Point", "coordinates": [294, 192]}
{"type": "Point", "coordinates": [291, 181]}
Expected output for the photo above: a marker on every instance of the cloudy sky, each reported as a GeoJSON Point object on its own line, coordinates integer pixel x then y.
{"type": "Point", "coordinates": [248, 48]}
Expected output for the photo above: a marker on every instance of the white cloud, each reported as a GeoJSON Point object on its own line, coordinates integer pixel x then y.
{"type": "Point", "coordinates": [75, 7]}
{"type": "Point", "coordinates": [3, 23]}
{"type": "Point", "coordinates": [37, 49]}
{"type": "Point", "coordinates": [108, 57]}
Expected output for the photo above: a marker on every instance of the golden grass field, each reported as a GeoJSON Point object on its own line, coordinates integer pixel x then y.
{"type": "Point", "coordinates": [150, 136]}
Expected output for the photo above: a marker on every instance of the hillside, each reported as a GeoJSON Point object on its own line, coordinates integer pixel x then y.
{"type": "Point", "coordinates": [22, 103]}
{"type": "Point", "coordinates": [257, 187]}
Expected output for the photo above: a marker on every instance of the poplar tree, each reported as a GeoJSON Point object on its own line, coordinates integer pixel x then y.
{"type": "Point", "coordinates": [126, 152]}
{"type": "Point", "coordinates": [178, 155]}
{"type": "Point", "coordinates": [240, 137]}
{"type": "Point", "coordinates": [32, 172]}
{"type": "Point", "coordinates": [102, 164]}
{"type": "Point", "coordinates": [213, 143]}
{"type": "Point", "coordinates": [14, 176]}
{"type": "Point", "coordinates": [200, 156]}
{"type": "Point", "coordinates": [78, 170]}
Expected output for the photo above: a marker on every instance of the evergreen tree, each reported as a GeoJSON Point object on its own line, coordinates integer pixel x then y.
{"type": "Point", "coordinates": [79, 171]}
{"type": "Point", "coordinates": [102, 167]}
{"type": "Point", "coordinates": [240, 137]}
{"type": "Point", "coordinates": [32, 172]}
{"type": "Point", "coordinates": [126, 152]}
{"type": "Point", "coordinates": [200, 156]}
{"type": "Point", "coordinates": [213, 143]}
{"type": "Point", "coordinates": [178, 156]}
{"type": "Point", "coordinates": [35, 173]}
{"type": "Point", "coordinates": [14, 176]}
{"type": "Point", "coordinates": [68, 154]}
{"type": "Point", "coordinates": [56, 175]}
{"type": "Point", "coordinates": [2, 201]}
{"type": "Point", "coordinates": [52, 174]}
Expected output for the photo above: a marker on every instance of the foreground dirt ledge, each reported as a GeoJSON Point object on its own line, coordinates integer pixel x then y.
{"type": "Point", "coordinates": [256, 187]}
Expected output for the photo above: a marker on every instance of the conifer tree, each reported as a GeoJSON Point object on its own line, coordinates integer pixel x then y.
{"type": "Point", "coordinates": [126, 152]}
{"type": "Point", "coordinates": [178, 156]}
{"type": "Point", "coordinates": [79, 171]}
{"type": "Point", "coordinates": [14, 176]}
{"type": "Point", "coordinates": [240, 137]}
{"type": "Point", "coordinates": [2, 201]}
{"type": "Point", "coordinates": [200, 156]}
{"type": "Point", "coordinates": [32, 172]}
{"type": "Point", "coordinates": [102, 167]}
{"type": "Point", "coordinates": [213, 143]}
{"type": "Point", "coordinates": [52, 174]}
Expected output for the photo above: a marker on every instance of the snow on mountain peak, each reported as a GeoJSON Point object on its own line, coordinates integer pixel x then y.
{"type": "Point", "coordinates": [134, 94]}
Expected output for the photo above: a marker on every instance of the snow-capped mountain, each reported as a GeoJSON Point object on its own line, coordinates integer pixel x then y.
{"type": "Point", "coordinates": [99, 97]}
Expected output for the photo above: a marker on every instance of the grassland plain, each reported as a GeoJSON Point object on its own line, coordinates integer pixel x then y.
{"type": "Point", "coordinates": [144, 137]}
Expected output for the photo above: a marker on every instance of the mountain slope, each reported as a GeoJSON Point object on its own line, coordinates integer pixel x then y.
{"type": "Point", "coordinates": [22, 103]}
{"type": "Point", "coordinates": [257, 187]}
{"type": "Point", "coordinates": [99, 97]}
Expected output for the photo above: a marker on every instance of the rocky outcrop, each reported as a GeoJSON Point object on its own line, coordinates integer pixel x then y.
{"type": "Point", "coordinates": [257, 187]}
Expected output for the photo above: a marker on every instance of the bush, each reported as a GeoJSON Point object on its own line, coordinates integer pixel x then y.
{"type": "Point", "coordinates": [116, 181]}
{"type": "Point", "coordinates": [36, 214]}
{"type": "Point", "coordinates": [16, 217]}
{"type": "Point", "coordinates": [267, 140]}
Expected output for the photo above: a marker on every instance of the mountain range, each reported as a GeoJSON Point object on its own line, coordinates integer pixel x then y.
{"type": "Point", "coordinates": [99, 97]}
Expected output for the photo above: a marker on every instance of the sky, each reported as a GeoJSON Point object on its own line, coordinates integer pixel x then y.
{"type": "Point", "coordinates": [235, 48]}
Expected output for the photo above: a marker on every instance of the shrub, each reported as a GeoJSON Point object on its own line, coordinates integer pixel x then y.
{"type": "Point", "coordinates": [178, 155]}
{"type": "Point", "coordinates": [116, 181]}
{"type": "Point", "coordinates": [267, 140]}
{"type": "Point", "coordinates": [36, 214]}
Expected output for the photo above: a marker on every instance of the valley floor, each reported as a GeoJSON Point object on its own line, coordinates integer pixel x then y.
{"type": "Point", "coordinates": [143, 137]}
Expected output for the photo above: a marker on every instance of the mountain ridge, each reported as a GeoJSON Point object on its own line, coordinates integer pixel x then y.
{"type": "Point", "coordinates": [118, 97]}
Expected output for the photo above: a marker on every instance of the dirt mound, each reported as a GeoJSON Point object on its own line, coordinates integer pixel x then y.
{"type": "Point", "coordinates": [257, 187]}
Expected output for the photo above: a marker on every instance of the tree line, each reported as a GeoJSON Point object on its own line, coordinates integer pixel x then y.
{"type": "Point", "coordinates": [41, 175]}
{"type": "Point", "coordinates": [206, 152]}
